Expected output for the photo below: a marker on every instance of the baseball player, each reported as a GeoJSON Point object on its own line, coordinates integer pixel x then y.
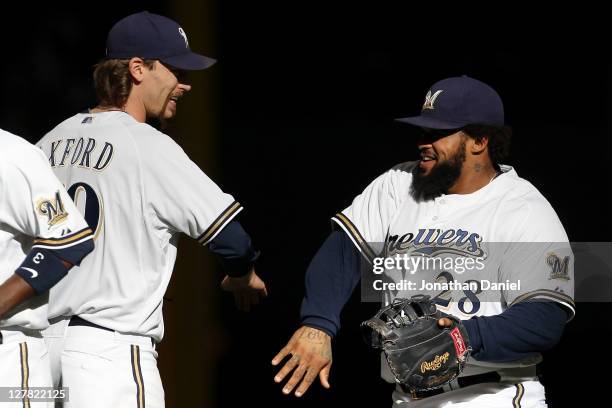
{"type": "Point", "coordinates": [138, 190]}
{"type": "Point", "coordinates": [457, 201]}
{"type": "Point", "coordinates": [42, 235]}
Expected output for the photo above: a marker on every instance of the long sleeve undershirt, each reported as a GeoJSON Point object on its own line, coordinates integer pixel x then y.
{"type": "Point", "coordinates": [233, 248]}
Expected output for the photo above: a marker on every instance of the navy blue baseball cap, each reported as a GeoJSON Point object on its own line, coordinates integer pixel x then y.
{"type": "Point", "coordinates": [453, 103]}
{"type": "Point", "coordinates": [151, 36]}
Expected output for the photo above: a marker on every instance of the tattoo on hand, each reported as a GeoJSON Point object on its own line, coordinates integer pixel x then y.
{"type": "Point", "coordinates": [313, 336]}
{"type": "Point", "coordinates": [317, 340]}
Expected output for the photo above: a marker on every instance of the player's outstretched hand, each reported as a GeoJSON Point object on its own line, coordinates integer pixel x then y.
{"type": "Point", "coordinates": [248, 289]}
{"type": "Point", "coordinates": [311, 355]}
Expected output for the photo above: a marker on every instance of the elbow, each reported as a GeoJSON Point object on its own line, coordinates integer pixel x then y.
{"type": "Point", "coordinates": [551, 337]}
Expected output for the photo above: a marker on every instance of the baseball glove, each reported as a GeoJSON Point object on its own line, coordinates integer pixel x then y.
{"type": "Point", "coordinates": [421, 354]}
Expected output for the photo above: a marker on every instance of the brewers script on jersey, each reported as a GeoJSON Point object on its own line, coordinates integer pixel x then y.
{"type": "Point", "coordinates": [35, 212]}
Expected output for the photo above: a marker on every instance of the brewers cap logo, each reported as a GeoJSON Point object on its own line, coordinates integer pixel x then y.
{"type": "Point", "coordinates": [431, 99]}
{"type": "Point", "coordinates": [184, 35]}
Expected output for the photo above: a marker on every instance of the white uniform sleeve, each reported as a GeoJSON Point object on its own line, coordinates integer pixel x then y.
{"type": "Point", "coordinates": [367, 219]}
{"type": "Point", "coordinates": [37, 204]}
{"type": "Point", "coordinates": [540, 257]}
{"type": "Point", "coordinates": [181, 195]}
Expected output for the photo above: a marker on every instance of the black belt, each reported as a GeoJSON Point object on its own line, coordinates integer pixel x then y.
{"type": "Point", "coordinates": [79, 321]}
{"type": "Point", "coordinates": [490, 377]}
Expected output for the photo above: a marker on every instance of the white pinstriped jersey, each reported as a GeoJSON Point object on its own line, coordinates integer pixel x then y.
{"type": "Point", "coordinates": [35, 211]}
{"type": "Point", "coordinates": [138, 190]}
{"type": "Point", "coordinates": [507, 223]}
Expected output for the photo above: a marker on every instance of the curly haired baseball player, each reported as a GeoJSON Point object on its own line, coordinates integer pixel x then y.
{"type": "Point", "coordinates": [458, 200]}
{"type": "Point", "coordinates": [138, 190]}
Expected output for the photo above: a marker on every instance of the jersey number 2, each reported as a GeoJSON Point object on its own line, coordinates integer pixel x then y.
{"type": "Point", "coordinates": [93, 209]}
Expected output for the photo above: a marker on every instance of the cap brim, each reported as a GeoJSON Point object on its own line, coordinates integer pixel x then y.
{"type": "Point", "coordinates": [189, 61]}
{"type": "Point", "coordinates": [430, 123]}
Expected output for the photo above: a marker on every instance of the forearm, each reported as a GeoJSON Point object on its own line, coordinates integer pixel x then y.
{"type": "Point", "coordinates": [234, 250]}
{"type": "Point", "coordinates": [521, 331]}
{"type": "Point", "coordinates": [330, 279]}
{"type": "Point", "coordinates": [39, 272]}
{"type": "Point", "coordinates": [13, 292]}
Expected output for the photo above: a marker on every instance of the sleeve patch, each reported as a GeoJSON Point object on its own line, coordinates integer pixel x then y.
{"type": "Point", "coordinates": [559, 267]}
{"type": "Point", "coordinates": [52, 209]}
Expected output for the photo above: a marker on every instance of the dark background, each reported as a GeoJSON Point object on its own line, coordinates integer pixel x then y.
{"type": "Point", "coordinates": [296, 119]}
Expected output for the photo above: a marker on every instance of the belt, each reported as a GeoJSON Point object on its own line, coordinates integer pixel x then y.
{"type": "Point", "coordinates": [460, 382]}
{"type": "Point", "coordinates": [79, 321]}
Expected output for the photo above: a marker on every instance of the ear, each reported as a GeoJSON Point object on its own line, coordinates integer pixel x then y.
{"type": "Point", "coordinates": [137, 69]}
{"type": "Point", "coordinates": [479, 146]}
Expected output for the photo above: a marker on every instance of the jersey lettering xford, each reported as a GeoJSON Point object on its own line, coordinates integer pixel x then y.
{"type": "Point", "coordinates": [138, 190]}
{"type": "Point", "coordinates": [35, 212]}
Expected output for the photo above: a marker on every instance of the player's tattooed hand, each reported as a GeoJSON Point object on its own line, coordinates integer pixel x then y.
{"type": "Point", "coordinates": [311, 356]}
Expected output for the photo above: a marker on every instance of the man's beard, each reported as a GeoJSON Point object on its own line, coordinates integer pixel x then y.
{"type": "Point", "coordinates": [441, 177]}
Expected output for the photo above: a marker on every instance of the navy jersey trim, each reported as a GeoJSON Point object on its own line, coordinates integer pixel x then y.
{"type": "Point", "coordinates": [355, 235]}
{"type": "Point", "coordinates": [74, 253]}
{"type": "Point", "coordinates": [520, 391]}
{"type": "Point", "coordinates": [25, 373]}
{"type": "Point", "coordinates": [137, 373]}
{"type": "Point", "coordinates": [70, 239]}
{"type": "Point", "coordinates": [548, 294]}
{"type": "Point", "coordinates": [218, 224]}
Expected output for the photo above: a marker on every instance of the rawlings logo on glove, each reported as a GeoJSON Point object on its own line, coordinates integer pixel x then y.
{"type": "Point", "coordinates": [435, 364]}
{"type": "Point", "coordinates": [421, 354]}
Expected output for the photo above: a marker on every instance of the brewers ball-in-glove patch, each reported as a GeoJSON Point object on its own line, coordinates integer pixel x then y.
{"type": "Point", "coordinates": [421, 354]}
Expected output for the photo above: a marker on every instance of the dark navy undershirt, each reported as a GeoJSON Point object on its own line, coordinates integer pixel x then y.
{"type": "Point", "coordinates": [520, 331]}
{"type": "Point", "coordinates": [234, 249]}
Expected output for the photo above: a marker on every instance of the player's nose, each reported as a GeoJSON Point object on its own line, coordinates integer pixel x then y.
{"type": "Point", "coordinates": [425, 139]}
{"type": "Point", "coordinates": [424, 144]}
{"type": "Point", "coordinates": [184, 87]}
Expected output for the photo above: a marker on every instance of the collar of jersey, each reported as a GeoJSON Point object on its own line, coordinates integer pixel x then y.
{"type": "Point", "coordinates": [506, 172]}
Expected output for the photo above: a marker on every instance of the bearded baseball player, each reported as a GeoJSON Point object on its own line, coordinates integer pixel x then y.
{"type": "Point", "coordinates": [138, 191]}
{"type": "Point", "coordinates": [42, 235]}
{"type": "Point", "coordinates": [458, 200]}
